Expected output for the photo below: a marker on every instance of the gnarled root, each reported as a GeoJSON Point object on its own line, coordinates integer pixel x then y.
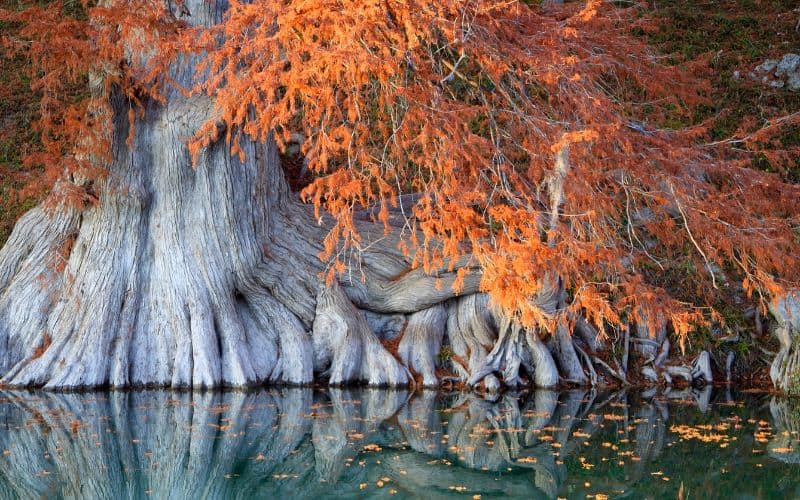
{"type": "Point", "coordinates": [680, 371]}
{"type": "Point", "coordinates": [566, 356]}
{"type": "Point", "coordinates": [31, 274]}
{"type": "Point", "coordinates": [701, 369]}
{"type": "Point", "coordinates": [346, 350]}
{"type": "Point", "coordinates": [470, 329]}
{"type": "Point", "coordinates": [422, 342]}
{"type": "Point", "coordinates": [516, 346]}
{"type": "Point", "coordinates": [785, 369]}
{"type": "Point", "coordinates": [651, 342]}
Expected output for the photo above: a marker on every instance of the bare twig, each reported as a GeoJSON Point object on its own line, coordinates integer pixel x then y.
{"type": "Point", "coordinates": [625, 354]}
{"type": "Point", "coordinates": [691, 237]}
{"type": "Point", "coordinates": [588, 362]}
{"type": "Point", "coordinates": [610, 370]}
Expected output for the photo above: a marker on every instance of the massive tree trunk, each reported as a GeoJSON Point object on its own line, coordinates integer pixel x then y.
{"type": "Point", "coordinates": [208, 274]}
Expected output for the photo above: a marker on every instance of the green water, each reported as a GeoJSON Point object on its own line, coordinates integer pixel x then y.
{"type": "Point", "coordinates": [304, 443]}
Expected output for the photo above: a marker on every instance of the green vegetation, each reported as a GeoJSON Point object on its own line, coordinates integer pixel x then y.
{"type": "Point", "coordinates": [794, 384]}
{"type": "Point", "coordinates": [18, 111]}
{"type": "Point", "coordinates": [734, 36]}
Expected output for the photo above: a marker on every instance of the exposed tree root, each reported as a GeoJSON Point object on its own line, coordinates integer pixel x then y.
{"type": "Point", "coordinates": [701, 369]}
{"type": "Point", "coordinates": [652, 344]}
{"type": "Point", "coordinates": [785, 369]}
{"type": "Point", "coordinates": [587, 363]}
{"type": "Point", "coordinates": [346, 350]}
{"type": "Point", "coordinates": [470, 329]}
{"type": "Point", "coordinates": [422, 342]}
{"type": "Point", "coordinates": [566, 357]}
{"type": "Point", "coordinates": [514, 348]}
{"type": "Point", "coordinates": [619, 376]}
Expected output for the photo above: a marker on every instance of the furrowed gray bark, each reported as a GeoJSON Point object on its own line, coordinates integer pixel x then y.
{"type": "Point", "coordinates": [785, 369]}
{"type": "Point", "coordinates": [345, 347]}
{"type": "Point", "coordinates": [566, 357]}
{"type": "Point", "coordinates": [472, 333]}
{"type": "Point", "coordinates": [422, 342]}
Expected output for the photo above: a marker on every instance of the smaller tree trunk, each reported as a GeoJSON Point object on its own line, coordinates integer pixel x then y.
{"type": "Point", "coordinates": [345, 348]}
{"type": "Point", "coordinates": [422, 342]}
{"type": "Point", "coordinates": [785, 370]}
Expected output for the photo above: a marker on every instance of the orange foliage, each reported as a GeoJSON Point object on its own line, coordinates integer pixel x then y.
{"type": "Point", "coordinates": [469, 103]}
{"type": "Point", "coordinates": [67, 54]}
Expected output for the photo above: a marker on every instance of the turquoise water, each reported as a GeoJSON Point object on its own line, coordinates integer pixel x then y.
{"type": "Point", "coordinates": [304, 443]}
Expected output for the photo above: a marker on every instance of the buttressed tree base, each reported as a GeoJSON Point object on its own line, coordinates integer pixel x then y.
{"type": "Point", "coordinates": [475, 217]}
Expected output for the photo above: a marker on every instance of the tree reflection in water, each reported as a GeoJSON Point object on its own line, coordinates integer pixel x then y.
{"type": "Point", "coordinates": [310, 443]}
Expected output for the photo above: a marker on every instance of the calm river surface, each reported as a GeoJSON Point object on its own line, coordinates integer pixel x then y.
{"type": "Point", "coordinates": [305, 443]}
